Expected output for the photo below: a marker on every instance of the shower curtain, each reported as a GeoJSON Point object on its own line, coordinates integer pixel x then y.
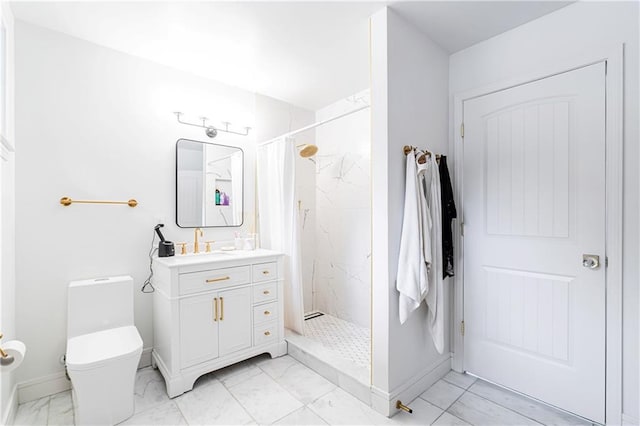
{"type": "Point", "coordinates": [279, 228]}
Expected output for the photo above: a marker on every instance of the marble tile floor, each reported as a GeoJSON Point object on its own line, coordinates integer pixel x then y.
{"type": "Point", "coordinates": [282, 391]}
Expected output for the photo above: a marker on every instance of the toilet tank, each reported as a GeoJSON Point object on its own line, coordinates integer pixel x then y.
{"type": "Point", "coordinates": [99, 304]}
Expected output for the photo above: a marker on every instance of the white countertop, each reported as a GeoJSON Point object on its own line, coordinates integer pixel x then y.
{"type": "Point", "coordinates": [213, 256]}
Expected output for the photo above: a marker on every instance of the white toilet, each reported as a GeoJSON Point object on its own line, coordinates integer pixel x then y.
{"type": "Point", "coordinates": [103, 349]}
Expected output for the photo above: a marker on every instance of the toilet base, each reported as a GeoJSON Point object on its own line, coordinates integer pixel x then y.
{"type": "Point", "coordinates": [105, 395]}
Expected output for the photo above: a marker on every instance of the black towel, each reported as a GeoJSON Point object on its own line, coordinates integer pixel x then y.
{"type": "Point", "coordinates": [448, 214]}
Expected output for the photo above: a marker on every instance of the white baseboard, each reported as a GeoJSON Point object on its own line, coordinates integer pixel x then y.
{"type": "Point", "coordinates": [12, 407]}
{"type": "Point", "coordinates": [54, 383]}
{"type": "Point", "coordinates": [385, 402]}
{"type": "Point", "coordinates": [42, 386]}
{"type": "Point", "coordinates": [628, 420]}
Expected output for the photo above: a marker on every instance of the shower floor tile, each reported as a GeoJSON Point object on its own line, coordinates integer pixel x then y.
{"type": "Point", "coordinates": [349, 340]}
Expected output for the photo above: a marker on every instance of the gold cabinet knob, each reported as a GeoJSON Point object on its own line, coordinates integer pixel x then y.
{"type": "Point", "coordinates": [267, 313]}
{"type": "Point", "coordinates": [267, 333]}
{"type": "Point", "coordinates": [265, 272]}
{"type": "Point", "coordinates": [265, 292]}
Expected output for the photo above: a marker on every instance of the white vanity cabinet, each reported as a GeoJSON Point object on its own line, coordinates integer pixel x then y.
{"type": "Point", "coordinates": [213, 310]}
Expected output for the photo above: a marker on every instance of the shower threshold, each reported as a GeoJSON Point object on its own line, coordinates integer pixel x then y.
{"type": "Point", "coordinates": [337, 350]}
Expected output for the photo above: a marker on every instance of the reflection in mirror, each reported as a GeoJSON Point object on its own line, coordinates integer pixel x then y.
{"type": "Point", "coordinates": [209, 184]}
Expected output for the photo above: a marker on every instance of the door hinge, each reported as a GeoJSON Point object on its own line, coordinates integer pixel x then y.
{"type": "Point", "coordinates": [462, 130]}
{"type": "Point", "coordinates": [462, 327]}
{"type": "Point", "coordinates": [462, 229]}
{"type": "Point", "coordinates": [606, 261]}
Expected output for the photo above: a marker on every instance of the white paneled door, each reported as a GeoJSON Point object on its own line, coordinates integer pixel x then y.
{"type": "Point", "coordinates": [534, 206]}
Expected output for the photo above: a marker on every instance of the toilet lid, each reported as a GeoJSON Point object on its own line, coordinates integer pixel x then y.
{"type": "Point", "coordinates": [93, 350]}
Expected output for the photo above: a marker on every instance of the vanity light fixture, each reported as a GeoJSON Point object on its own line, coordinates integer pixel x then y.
{"type": "Point", "coordinates": [212, 131]}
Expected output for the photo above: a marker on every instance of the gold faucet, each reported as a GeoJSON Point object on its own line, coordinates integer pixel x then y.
{"type": "Point", "coordinates": [196, 246]}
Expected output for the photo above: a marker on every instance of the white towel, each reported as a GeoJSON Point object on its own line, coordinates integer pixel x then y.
{"type": "Point", "coordinates": [429, 176]}
{"type": "Point", "coordinates": [412, 279]}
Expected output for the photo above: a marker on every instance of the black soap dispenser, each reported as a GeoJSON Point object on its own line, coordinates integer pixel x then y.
{"type": "Point", "coordinates": [165, 248]}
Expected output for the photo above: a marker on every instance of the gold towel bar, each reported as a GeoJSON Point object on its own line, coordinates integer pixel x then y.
{"type": "Point", "coordinates": [66, 201]}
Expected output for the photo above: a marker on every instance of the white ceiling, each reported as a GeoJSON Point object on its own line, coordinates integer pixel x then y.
{"type": "Point", "coordinates": [308, 54]}
{"type": "Point", "coordinates": [456, 25]}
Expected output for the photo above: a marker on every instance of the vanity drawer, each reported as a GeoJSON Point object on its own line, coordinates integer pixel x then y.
{"type": "Point", "coordinates": [265, 292]}
{"type": "Point", "coordinates": [194, 282]}
{"type": "Point", "coordinates": [265, 272]}
{"type": "Point", "coordinates": [265, 333]}
{"type": "Point", "coordinates": [264, 313]}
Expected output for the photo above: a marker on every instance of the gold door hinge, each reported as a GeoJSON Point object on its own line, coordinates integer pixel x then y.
{"type": "Point", "coordinates": [462, 328]}
{"type": "Point", "coordinates": [462, 130]}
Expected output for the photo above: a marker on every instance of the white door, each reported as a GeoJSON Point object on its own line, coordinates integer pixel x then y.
{"type": "Point", "coordinates": [534, 204]}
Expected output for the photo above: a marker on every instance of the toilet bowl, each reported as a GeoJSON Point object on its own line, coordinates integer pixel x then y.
{"type": "Point", "coordinates": [103, 350]}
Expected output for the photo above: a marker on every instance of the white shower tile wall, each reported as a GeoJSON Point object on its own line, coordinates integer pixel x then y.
{"type": "Point", "coordinates": [342, 267]}
{"type": "Point", "coordinates": [306, 196]}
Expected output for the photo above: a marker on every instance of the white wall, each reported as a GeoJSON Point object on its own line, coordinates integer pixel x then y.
{"type": "Point", "coordinates": [8, 399]}
{"type": "Point", "coordinates": [342, 279]}
{"type": "Point", "coordinates": [94, 123]}
{"type": "Point", "coordinates": [574, 30]}
{"type": "Point", "coordinates": [409, 107]}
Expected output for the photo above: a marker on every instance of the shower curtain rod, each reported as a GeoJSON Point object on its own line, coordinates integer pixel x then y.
{"type": "Point", "coordinates": [314, 125]}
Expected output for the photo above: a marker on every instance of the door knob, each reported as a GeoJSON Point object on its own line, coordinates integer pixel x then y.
{"type": "Point", "coordinates": [591, 261]}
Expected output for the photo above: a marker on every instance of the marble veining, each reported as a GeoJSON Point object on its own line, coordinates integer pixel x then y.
{"type": "Point", "coordinates": [149, 389]}
{"type": "Point", "coordinates": [442, 394]}
{"type": "Point", "coordinates": [167, 413]}
{"type": "Point", "coordinates": [340, 408]}
{"type": "Point", "coordinates": [302, 382]}
{"type": "Point", "coordinates": [286, 392]}
{"type": "Point", "coordinates": [211, 403]}
{"type": "Point", "coordinates": [530, 408]}
{"type": "Point", "coordinates": [447, 419]}
{"type": "Point", "coordinates": [478, 411]}
{"type": "Point", "coordinates": [60, 409]}
{"type": "Point", "coordinates": [303, 416]}
{"type": "Point", "coordinates": [33, 412]}
{"type": "Point", "coordinates": [264, 398]}
{"type": "Point", "coordinates": [460, 380]}
{"type": "Point", "coordinates": [341, 270]}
